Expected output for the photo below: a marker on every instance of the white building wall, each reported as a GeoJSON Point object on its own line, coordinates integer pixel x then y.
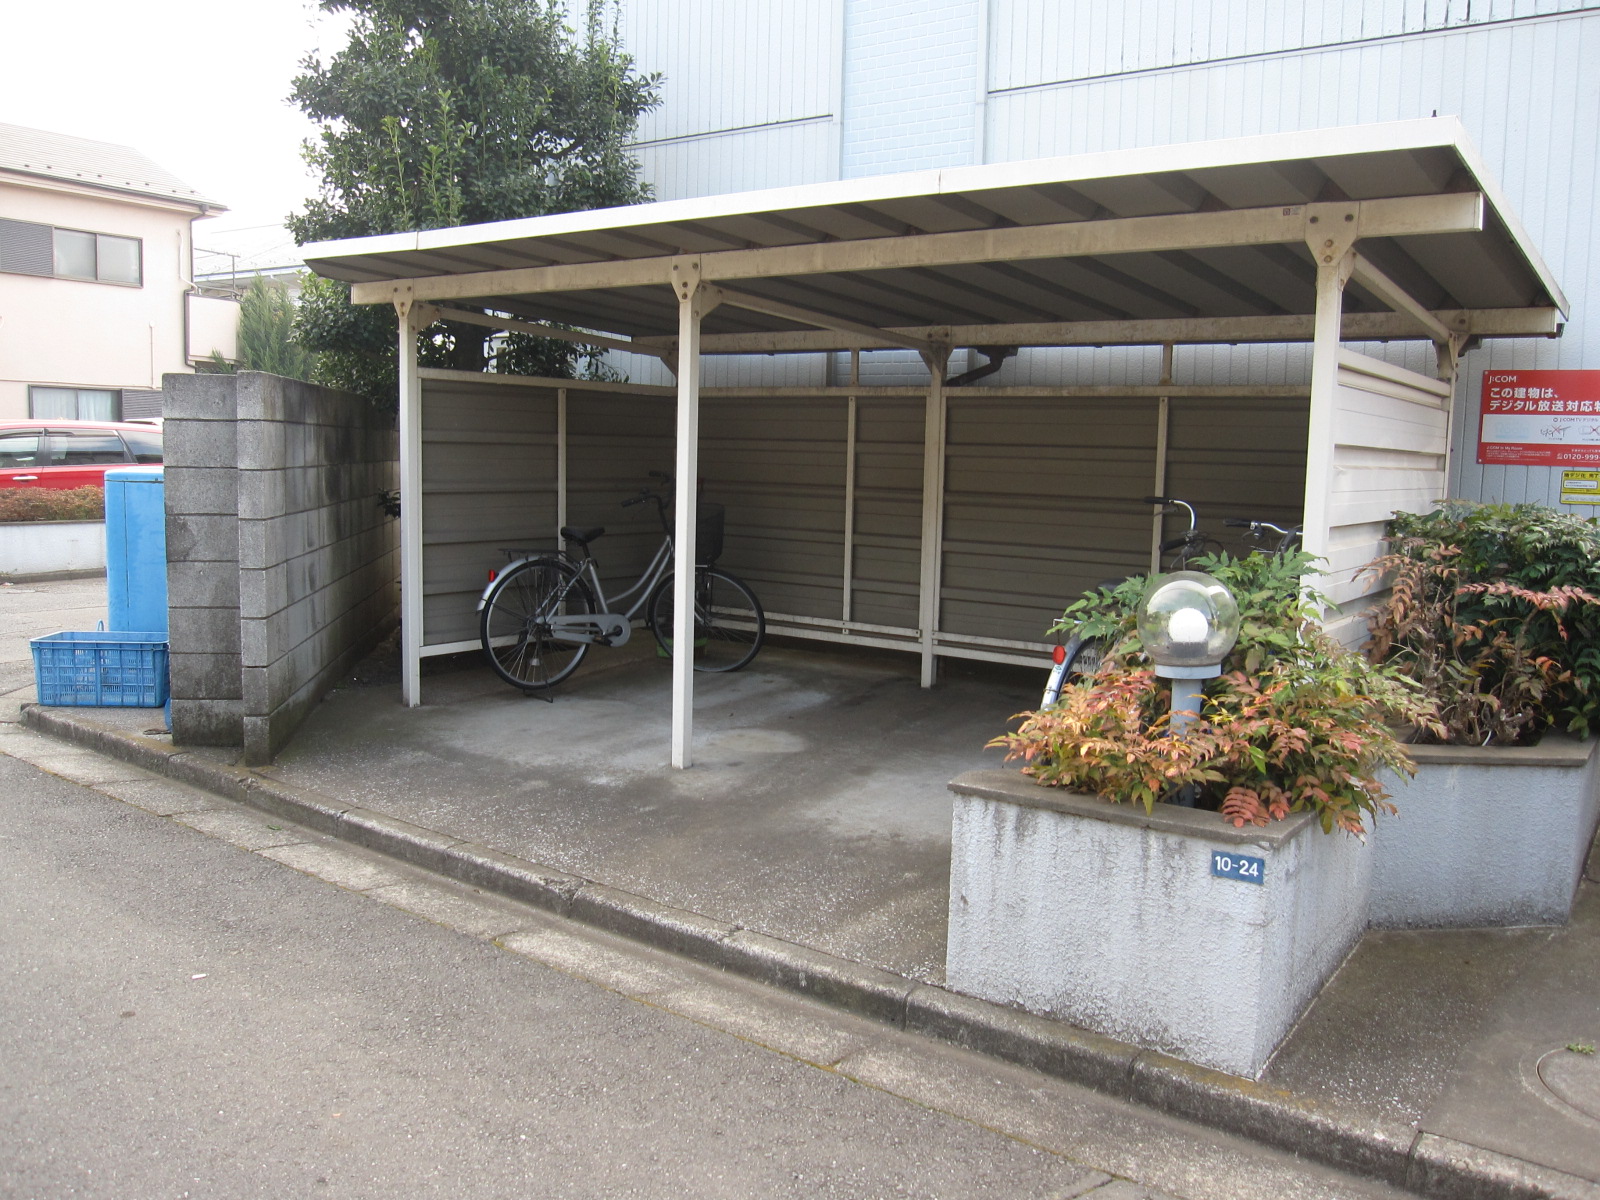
{"type": "Point", "coordinates": [910, 84]}
{"type": "Point", "coordinates": [77, 333]}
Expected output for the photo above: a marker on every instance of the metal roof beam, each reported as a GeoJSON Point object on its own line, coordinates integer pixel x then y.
{"type": "Point", "coordinates": [807, 316]}
{"type": "Point", "coordinates": [1458, 212]}
{"type": "Point", "coordinates": [440, 312]}
{"type": "Point", "coordinates": [1396, 297]}
{"type": "Point", "coordinates": [1358, 327]}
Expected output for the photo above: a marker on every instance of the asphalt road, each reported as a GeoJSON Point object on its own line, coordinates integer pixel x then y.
{"type": "Point", "coordinates": [199, 1001]}
{"type": "Point", "coordinates": [33, 609]}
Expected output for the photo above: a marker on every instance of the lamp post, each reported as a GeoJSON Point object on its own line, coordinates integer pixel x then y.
{"type": "Point", "coordinates": [1188, 621]}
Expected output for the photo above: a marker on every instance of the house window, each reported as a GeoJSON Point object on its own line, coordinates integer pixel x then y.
{"type": "Point", "coordinates": [27, 248]}
{"type": "Point", "coordinates": [74, 404]}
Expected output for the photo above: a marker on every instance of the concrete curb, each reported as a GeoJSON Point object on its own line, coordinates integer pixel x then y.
{"type": "Point", "coordinates": [1423, 1163]}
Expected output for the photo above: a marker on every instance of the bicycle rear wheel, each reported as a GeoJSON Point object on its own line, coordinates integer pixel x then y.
{"type": "Point", "coordinates": [515, 630]}
{"type": "Point", "coordinates": [729, 625]}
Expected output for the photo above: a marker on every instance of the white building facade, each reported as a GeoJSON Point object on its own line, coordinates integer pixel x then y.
{"type": "Point", "coordinates": [802, 91]}
{"type": "Point", "coordinates": [97, 299]}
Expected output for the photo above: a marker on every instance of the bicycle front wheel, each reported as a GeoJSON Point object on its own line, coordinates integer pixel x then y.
{"type": "Point", "coordinates": [515, 625]}
{"type": "Point", "coordinates": [1082, 660]}
{"type": "Point", "coordinates": [729, 625]}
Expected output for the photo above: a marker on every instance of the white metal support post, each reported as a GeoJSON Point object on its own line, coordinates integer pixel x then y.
{"type": "Point", "coordinates": [411, 582]}
{"type": "Point", "coordinates": [561, 460]}
{"type": "Point", "coordinates": [1163, 417]}
{"type": "Point", "coordinates": [933, 437]}
{"type": "Point", "coordinates": [693, 304]}
{"type": "Point", "coordinates": [850, 427]}
{"type": "Point", "coordinates": [1330, 236]}
{"type": "Point", "coordinates": [1449, 360]}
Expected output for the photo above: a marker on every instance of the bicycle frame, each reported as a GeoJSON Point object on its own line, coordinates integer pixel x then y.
{"type": "Point", "coordinates": [605, 628]}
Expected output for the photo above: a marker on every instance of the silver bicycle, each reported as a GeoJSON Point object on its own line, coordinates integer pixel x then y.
{"type": "Point", "coordinates": [541, 613]}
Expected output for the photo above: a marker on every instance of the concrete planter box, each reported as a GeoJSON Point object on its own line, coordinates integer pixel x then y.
{"type": "Point", "coordinates": [43, 547]}
{"type": "Point", "coordinates": [1486, 835]}
{"type": "Point", "coordinates": [1110, 918]}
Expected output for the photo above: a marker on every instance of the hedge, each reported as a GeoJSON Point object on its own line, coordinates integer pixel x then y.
{"type": "Point", "coordinates": [52, 504]}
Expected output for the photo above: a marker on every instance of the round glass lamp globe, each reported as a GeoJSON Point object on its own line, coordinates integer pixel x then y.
{"type": "Point", "coordinates": [1188, 620]}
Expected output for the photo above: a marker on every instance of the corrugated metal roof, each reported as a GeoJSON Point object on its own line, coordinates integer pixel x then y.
{"type": "Point", "coordinates": [93, 164]}
{"type": "Point", "coordinates": [957, 282]}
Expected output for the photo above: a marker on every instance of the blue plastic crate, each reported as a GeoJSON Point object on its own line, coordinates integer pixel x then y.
{"type": "Point", "coordinates": [103, 669]}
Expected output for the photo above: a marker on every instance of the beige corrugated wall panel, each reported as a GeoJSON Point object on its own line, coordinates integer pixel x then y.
{"type": "Point", "coordinates": [1237, 458]}
{"type": "Point", "coordinates": [778, 466]}
{"type": "Point", "coordinates": [613, 443]}
{"type": "Point", "coordinates": [888, 525]}
{"type": "Point", "coordinates": [1391, 431]}
{"type": "Point", "coordinates": [488, 481]}
{"type": "Point", "coordinates": [1041, 502]}
{"type": "Point", "coordinates": [1044, 496]}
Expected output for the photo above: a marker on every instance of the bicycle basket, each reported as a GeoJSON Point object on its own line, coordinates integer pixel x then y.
{"type": "Point", "coordinates": [708, 533]}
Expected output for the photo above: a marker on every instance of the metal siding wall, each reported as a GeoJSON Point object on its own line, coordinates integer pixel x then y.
{"type": "Point", "coordinates": [888, 528]}
{"type": "Point", "coordinates": [1517, 72]}
{"type": "Point", "coordinates": [613, 443]}
{"type": "Point", "coordinates": [1525, 91]}
{"type": "Point", "coordinates": [1043, 494]}
{"type": "Point", "coordinates": [1244, 457]}
{"type": "Point", "coordinates": [1390, 436]}
{"type": "Point", "coordinates": [1042, 499]}
{"type": "Point", "coordinates": [745, 160]}
{"type": "Point", "coordinates": [1040, 42]}
{"type": "Point", "coordinates": [779, 468]}
{"type": "Point", "coordinates": [488, 481]}
{"type": "Point", "coordinates": [1041, 503]}
{"type": "Point", "coordinates": [489, 478]}
{"type": "Point", "coordinates": [731, 64]}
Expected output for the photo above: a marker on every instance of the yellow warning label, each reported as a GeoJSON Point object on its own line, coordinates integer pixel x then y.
{"type": "Point", "coordinates": [1580, 487]}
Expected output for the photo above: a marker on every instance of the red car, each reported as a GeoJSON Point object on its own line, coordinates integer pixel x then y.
{"type": "Point", "coordinates": [71, 454]}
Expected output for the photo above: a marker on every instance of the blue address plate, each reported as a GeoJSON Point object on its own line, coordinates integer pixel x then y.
{"type": "Point", "coordinates": [1238, 866]}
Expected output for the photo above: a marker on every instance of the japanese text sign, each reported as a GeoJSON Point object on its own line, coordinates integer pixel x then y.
{"type": "Point", "coordinates": [1540, 418]}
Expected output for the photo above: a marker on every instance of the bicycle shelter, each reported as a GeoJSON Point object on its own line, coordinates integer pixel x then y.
{"type": "Point", "coordinates": [955, 519]}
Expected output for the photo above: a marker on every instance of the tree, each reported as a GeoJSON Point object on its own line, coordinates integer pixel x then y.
{"type": "Point", "coordinates": [266, 329]}
{"type": "Point", "coordinates": [449, 112]}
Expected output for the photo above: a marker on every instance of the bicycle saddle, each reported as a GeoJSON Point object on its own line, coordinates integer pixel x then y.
{"type": "Point", "coordinates": [582, 536]}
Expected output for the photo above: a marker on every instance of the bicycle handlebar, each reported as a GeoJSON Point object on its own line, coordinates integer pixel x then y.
{"type": "Point", "coordinates": [1243, 523]}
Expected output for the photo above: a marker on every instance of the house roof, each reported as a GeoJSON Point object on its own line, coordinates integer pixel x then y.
{"type": "Point", "coordinates": [1201, 242]}
{"type": "Point", "coordinates": [92, 164]}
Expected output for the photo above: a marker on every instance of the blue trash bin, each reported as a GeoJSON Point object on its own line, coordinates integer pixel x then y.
{"type": "Point", "coordinates": [136, 549]}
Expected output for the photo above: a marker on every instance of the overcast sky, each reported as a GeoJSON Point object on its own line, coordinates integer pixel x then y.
{"type": "Point", "coordinates": [197, 85]}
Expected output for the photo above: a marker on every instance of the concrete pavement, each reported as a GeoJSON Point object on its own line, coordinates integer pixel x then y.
{"type": "Point", "coordinates": [808, 848]}
{"type": "Point", "coordinates": [187, 1015]}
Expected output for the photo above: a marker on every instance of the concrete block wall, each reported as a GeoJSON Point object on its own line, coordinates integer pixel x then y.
{"type": "Point", "coordinates": [203, 558]}
{"type": "Point", "coordinates": [283, 569]}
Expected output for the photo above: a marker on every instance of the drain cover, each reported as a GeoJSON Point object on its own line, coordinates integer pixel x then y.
{"type": "Point", "coordinates": [1574, 1079]}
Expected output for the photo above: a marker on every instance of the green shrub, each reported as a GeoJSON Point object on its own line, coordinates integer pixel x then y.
{"type": "Point", "coordinates": [1495, 610]}
{"type": "Point", "coordinates": [53, 504]}
{"type": "Point", "coordinates": [1294, 722]}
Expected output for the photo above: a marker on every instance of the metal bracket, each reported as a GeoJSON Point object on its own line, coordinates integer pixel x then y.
{"type": "Point", "coordinates": [936, 357]}
{"type": "Point", "coordinates": [1331, 231]}
{"type": "Point", "coordinates": [1448, 353]}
